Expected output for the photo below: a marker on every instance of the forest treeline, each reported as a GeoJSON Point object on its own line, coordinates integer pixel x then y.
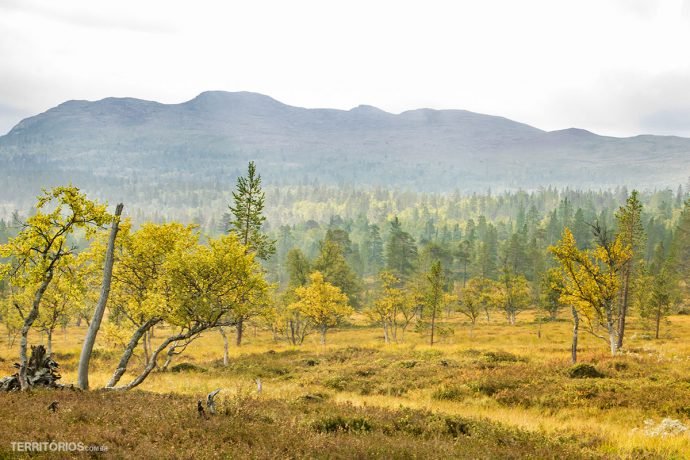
{"type": "Point", "coordinates": [303, 260]}
{"type": "Point", "coordinates": [498, 254]}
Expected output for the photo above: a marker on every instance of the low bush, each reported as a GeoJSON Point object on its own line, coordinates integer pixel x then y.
{"type": "Point", "coordinates": [584, 371]}
{"type": "Point", "coordinates": [187, 367]}
{"type": "Point", "coordinates": [342, 424]}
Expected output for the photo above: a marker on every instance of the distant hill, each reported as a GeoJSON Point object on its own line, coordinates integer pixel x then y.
{"type": "Point", "coordinates": [117, 143]}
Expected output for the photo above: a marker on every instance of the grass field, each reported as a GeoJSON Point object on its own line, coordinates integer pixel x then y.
{"type": "Point", "coordinates": [497, 392]}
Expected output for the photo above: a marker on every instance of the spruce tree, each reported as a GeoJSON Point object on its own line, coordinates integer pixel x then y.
{"type": "Point", "coordinates": [631, 233]}
{"type": "Point", "coordinates": [247, 214]}
{"type": "Point", "coordinates": [401, 251]}
{"type": "Point", "coordinates": [246, 222]}
{"type": "Point", "coordinates": [680, 247]}
{"type": "Point", "coordinates": [434, 295]}
{"type": "Point", "coordinates": [332, 265]}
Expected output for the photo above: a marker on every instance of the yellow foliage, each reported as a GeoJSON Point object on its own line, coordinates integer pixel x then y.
{"type": "Point", "coordinates": [591, 280]}
{"type": "Point", "coordinates": [321, 302]}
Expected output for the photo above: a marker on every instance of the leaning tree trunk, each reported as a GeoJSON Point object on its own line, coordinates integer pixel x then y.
{"type": "Point", "coordinates": [169, 357]}
{"type": "Point", "coordinates": [154, 357]}
{"type": "Point", "coordinates": [90, 340]}
{"type": "Point", "coordinates": [129, 350]}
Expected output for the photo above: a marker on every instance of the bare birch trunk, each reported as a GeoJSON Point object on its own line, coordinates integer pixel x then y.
{"type": "Point", "coordinates": [226, 345]}
{"type": "Point", "coordinates": [95, 324]}
{"type": "Point", "coordinates": [49, 342]}
{"type": "Point", "coordinates": [613, 338]}
{"type": "Point", "coordinates": [154, 358]}
{"type": "Point", "coordinates": [145, 346]}
{"type": "Point", "coordinates": [576, 327]}
{"type": "Point", "coordinates": [129, 350]}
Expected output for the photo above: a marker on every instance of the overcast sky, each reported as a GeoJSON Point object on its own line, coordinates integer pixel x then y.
{"type": "Point", "coordinates": [618, 67]}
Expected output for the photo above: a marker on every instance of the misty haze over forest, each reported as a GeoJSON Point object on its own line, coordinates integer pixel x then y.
{"type": "Point", "coordinates": [145, 152]}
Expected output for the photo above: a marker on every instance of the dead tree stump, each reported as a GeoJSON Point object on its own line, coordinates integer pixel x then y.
{"type": "Point", "coordinates": [42, 371]}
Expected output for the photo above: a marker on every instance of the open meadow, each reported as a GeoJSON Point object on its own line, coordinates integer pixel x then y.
{"type": "Point", "coordinates": [498, 391]}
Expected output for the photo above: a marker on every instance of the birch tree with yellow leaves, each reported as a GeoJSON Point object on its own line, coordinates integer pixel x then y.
{"type": "Point", "coordinates": [42, 248]}
{"type": "Point", "coordinates": [322, 303]}
{"type": "Point", "coordinates": [137, 299]}
{"type": "Point", "coordinates": [202, 286]}
{"type": "Point", "coordinates": [591, 281]}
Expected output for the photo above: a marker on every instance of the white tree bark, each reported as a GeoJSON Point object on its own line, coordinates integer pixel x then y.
{"type": "Point", "coordinates": [226, 357]}
{"type": "Point", "coordinates": [90, 340]}
{"type": "Point", "coordinates": [129, 350]}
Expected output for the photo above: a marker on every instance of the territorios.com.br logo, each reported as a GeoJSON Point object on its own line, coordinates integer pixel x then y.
{"type": "Point", "coordinates": [55, 446]}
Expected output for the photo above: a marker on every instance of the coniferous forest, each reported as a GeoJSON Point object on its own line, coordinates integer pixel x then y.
{"type": "Point", "coordinates": [372, 289]}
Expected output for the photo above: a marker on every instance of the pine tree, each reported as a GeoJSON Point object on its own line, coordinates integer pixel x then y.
{"type": "Point", "coordinates": [374, 249]}
{"type": "Point", "coordinates": [464, 256]}
{"type": "Point", "coordinates": [658, 302]}
{"type": "Point", "coordinates": [401, 251]}
{"type": "Point", "coordinates": [247, 214]}
{"type": "Point", "coordinates": [434, 294]}
{"type": "Point", "coordinates": [297, 267]}
{"type": "Point", "coordinates": [335, 270]}
{"type": "Point", "coordinates": [680, 247]}
{"type": "Point", "coordinates": [631, 233]}
{"type": "Point", "coordinates": [247, 220]}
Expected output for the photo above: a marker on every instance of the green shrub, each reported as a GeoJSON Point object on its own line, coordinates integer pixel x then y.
{"type": "Point", "coordinates": [187, 367]}
{"type": "Point", "coordinates": [457, 426]}
{"type": "Point", "coordinates": [584, 371]}
{"type": "Point", "coordinates": [449, 394]}
{"type": "Point", "coordinates": [313, 397]}
{"type": "Point", "coordinates": [338, 383]}
{"type": "Point", "coordinates": [502, 357]}
{"type": "Point", "coordinates": [620, 366]}
{"type": "Point", "coordinates": [339, 423]}
{"type": "Point", "coordinates": [490, 387]}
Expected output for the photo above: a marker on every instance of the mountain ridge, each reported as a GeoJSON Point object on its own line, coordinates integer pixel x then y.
{"type": "Point", "coordinates": [212, 136]}
{"type": "Point", "coordinates": [359, 108]}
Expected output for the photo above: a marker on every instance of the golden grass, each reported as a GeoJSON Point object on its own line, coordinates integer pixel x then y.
{"type": "Point", "coordinates": [648, 362]}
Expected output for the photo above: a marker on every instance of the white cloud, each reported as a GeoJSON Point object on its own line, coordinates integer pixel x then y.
{"type": "Point", "coordinates": [550, 64]}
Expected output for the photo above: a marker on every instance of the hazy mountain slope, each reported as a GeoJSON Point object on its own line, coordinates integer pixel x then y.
{"type": "Point", "coordinates": [206, 141]}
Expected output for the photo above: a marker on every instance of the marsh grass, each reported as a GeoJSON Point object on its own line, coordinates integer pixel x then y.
{"type": "Point", "coordinates": [500, 382]}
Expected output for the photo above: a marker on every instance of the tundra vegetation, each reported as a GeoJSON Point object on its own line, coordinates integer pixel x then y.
{"type": "Point", "coordinates": [541, 325]}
